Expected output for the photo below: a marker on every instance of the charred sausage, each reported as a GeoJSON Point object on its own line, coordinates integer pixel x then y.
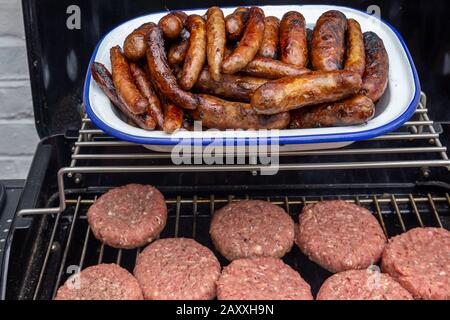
{"type": "Point", "coordinates": [235, 24]}
{"type": "Point", "coordinates": [178, 49]}
{"type": "Point", "coordinates": [293, 44]}
{"type": "Point", "coordinates": [294, 92]}
{"type": "Point", "coordinates": [196, 53]}
{"type": "Point", "coordinates": [271, 39]}
{"type": "Point", "coordinates": [356, 55]}
{"type": "Point", "coordinates": [104, 80]}
{"type": "Point", "coordinates": [232, 87]}
{"type": "Point", "coordinates": [146, 88]}
{"type": "Point", "coordinates": [173, 117]}
{"type": "Point", "coordinates": [328, 42]}
{"type": "Point", "coordinates": [216, 41]}
{"type": "Point", "coordinates": [123, 81]}
{"type": "Point", "coordinates": [272, 69]}
{"type": "Point", "coordinates": [161, 75]}
{"type": "Point", "coordinates": [352, 111]}
{"type": "Point", "coordinates": [221, 114]}
{"type": "Point", "coordinates": [171, 26]}
{"type": "Point", "coordinates": [135, 45]}
{"type": "Point", "coordinates": [376, 74]}
{"type": "Point", "coordinates": [249, 45]}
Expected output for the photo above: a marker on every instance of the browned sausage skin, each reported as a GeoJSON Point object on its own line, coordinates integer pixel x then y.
{"type": "Point", "coordinates": [249, 45]}
{"type": "Point", "coordinates": [272, 69]}
{"type": "Point", "coordinates": [161, 75]}
{"type": "Point", "coordinates": [356, 55]}
{"type": "Point", "coordinates": [221, 114]}
{"type": "Point", "coordinates": [314, 88]}
{"type": "Point", "coordinates": [173, 117]}
{"type": "Point", "coordinates": [293, 44]}
{"type": "Point", "coordinates": [376, 74]}
{"type": "Point", "coordinates": [271, 39]}
{"type": "Point", "coordinates": [135, 45]}
{"type": "Point", "coordinates": [146, 88]}
{"type": "Point", "coordinates": [177, 51]}
{"type": "Point", "coordinates": [196, 54]}
{"type": "Point", "coordinates": [216, 41]}
{"type": "Point", "coordinates": [232, 87]}
{"type": "Point", "coordinates": [235, 23]}
{"type": "Point", "coordinates": [123, 81]}
{"type": "Point", "coordinates": [352, 111]}
{"type": "Point", "coordinates": [171, 26]}
{"type": "Point", "coordinates": [328, 42]}
{"type": "Point", "coordinates": [103, 78]}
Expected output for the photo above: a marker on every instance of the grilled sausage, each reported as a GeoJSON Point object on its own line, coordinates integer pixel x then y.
{"type": "Point", "coordinates": [146, 88]}
{"type": "Point", "coordinates": [104, 80]}
{"type": "Point", "coordinates": [272, 69]}
{"type": "Point", "coordinates": [178, 49]}
{"type": "Point", "coordinates": [293, 44]}
{"type": "Point", "coordinates": [235, 23]}
{"type": "Point", "coordinates": [356, 55]}
{"type": "Point", "coordinates": [294, 92]}
{"type": "Point", "coordinates": [232, 87]}
{"type": "Point", "coordinates": [135, 45]}
{"type": "Point", "coordinates": [249, 45]}
{"type": "Point", "coordinates": [328, 42]}
{"type": "Point", "coordinates": [352, 111]}
{"type": "Point", "coordinates": [173, 117]}
{"type": "Point", "coordinates": [271, 39]}
{"type": "Point", "coordinates": [216, 41]}
{"type": "Point", "coordinates": [161, 75]}
{"type": "Point", "coordinates": [123, 81]}
{"type": "Point", "coordinates": [171, 26]}
{"type": "Point", "coordinates": [376, 74]}
{"type": "Point", "coordinates": [196, 54]}
{"type": "Point", "coordinates": [221, 114]}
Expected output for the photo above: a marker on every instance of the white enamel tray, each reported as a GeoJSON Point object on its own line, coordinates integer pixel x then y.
{"type": "Point", "coordinates": [395, 108]}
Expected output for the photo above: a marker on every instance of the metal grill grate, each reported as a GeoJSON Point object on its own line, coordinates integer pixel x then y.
{"type": "Point", "coordinates": [71, 245]}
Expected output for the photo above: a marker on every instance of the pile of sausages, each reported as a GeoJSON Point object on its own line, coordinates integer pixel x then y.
{"type": "Point", "coordinates": [246, 71]}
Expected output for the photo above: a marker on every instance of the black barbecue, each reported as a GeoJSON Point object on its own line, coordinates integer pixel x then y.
{"type": "Point", "coordinates": [402, 177]}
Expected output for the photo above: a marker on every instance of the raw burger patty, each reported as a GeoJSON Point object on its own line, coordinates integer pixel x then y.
{"type": "Point", "coordinates": [340, 236]}
{"type": "Point", "coordinates": [177, 269]}
{"type": "Point", "coordinates": [250, 229]}
{"type": "Point", "coordinates": [362, 285]}
{"type": "Point", "coordinates": [128, 217]}
{"type": "Point", "coordinates": [261, 279]}
{"type": "Point", "coordinates": [102, 282]}
{"type": "Point", "coordinates": [420, 261]}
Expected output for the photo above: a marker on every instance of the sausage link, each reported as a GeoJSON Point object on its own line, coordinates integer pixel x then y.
{"type": "Point", "coordinates": [216, 41]}
{"type": "Point", "coordinates": [221, 114]}
{"type": "Point", "coordinates": [235, 23]}
{"type": "Point", "coordinates": [161, 75]}
{"type": "Point", "coordinates": [328, 42]}
{"type": "Point", "coordinates": [272, 69]}
{"type": "Point", "coordinates": [352, 111]}
{"type": "Point", "coordinates": [232, 87]}
{"type": "Point", "coordinates": [356, 55]}
{"type": "Point", "coordinates": [178, 49]}
{"type": "Point", "coordinates": [376, 74]}
{"type": "Point", "coordinates": [104, 80]}
{"type": "Point", "coordinates": [293, 44]}
{"type": "Point", "coordinates": [135, 45]}
{"type": "Point", "coordinates": [173, 117]}
{"type": "Point", "coordinates": [249, 45]}
{"type": "Point", "coordinates": [196, 54]}
{"type": "Point", "coordinates": [171, 26]}
{"type": "Point", "coordinates": [271, 39]}
{"type": "Point", "coordinates": [123, 81]}
{"type": "Point", "coordinates": [294, 92]}
{"type": "Point", "coordinates": [146, 88]}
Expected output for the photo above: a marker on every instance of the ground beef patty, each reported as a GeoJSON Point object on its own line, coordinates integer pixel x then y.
{"type": "Point", "coordinates": [102, 282]}
{"type": "Point", "coordinates": [420, 261]}
{"type": "Point", "coordinates": [362, 285]}
{"type": "Point", "coordinates": [177, 269]}
{"type": "Point", "coordinates": [250, 229]}
{"type": "Point", "coordinates": [261, 279]}
{"type": "Point", "coordinates": [340, 236]}
{"type": "Point", "coordinates": [128, 217]}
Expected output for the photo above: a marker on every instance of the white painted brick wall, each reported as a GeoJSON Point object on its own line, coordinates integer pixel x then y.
{"type": "Point", "coordinates": [18, 137]}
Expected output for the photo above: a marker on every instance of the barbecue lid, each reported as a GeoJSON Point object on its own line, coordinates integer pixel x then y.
{"type": "Point", "coordinates": [61, 36]}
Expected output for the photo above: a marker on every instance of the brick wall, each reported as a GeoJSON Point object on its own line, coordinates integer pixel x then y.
{"type": "Point", "coordinates": [18, 137]}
